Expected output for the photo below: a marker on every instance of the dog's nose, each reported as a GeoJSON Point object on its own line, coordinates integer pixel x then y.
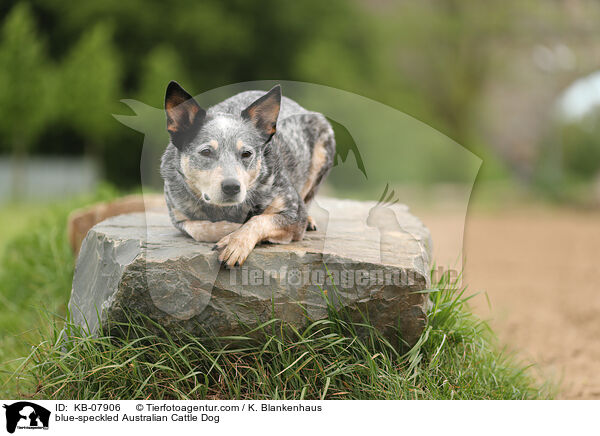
{"type": "Point", "coordinates": [230, 186]}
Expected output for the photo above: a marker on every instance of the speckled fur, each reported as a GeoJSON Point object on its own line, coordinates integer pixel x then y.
{"type": "Point", "coordinates": [278, 172]}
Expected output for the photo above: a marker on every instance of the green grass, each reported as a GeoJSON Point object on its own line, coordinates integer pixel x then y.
{"type": "Point", "coordinates": [456, 357]}
{"type": "Point", "coordinates": [36, 269]}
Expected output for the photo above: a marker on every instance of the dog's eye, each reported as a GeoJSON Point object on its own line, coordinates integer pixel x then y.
{"type": "Point", "coordinates": [205, 152]}
{"type": "Point", "coordinates": [246, 154]}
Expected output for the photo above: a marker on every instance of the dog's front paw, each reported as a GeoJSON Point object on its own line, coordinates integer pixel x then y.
{"type": "Point", "coordinates": [235, 247]}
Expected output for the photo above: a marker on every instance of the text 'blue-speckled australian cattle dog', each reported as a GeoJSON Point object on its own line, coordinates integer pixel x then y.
{"type": "Point", "coordinates": [243, 171]}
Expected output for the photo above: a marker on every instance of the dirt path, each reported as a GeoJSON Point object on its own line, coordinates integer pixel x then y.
{"type": "Point", "coordinates": [540, 270]}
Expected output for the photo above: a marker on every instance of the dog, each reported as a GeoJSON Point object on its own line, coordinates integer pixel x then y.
{"type": "Point", "coordinates": [245, 170]}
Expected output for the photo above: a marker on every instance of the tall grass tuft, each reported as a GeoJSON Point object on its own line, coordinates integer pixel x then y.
{"type": "Point", "coordinates": [454, 358]}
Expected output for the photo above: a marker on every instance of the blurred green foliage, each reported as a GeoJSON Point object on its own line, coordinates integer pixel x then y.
{"type": "Point", "coordinates": [89, 84]}
{"type": "Point", "coordinates": [24, 95]}
{"type": "Point", "coordinates": [581, 148]}
{"type": "Point", "coordinates": [568, 168]}
{"type": "Point", "coordinates": [96, 53]}
{"type": "Point", "coordinates": [64, 68]}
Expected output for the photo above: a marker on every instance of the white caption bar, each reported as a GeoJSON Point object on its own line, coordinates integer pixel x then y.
{"type": "Point", "coordinates": [21, 417]}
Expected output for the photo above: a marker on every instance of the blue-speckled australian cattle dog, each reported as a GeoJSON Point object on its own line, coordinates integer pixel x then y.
{"type": "Point", "coordinates": [243, 171]}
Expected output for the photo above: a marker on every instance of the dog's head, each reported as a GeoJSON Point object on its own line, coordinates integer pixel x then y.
{"type": "Point", "coordinates": [221, 154]}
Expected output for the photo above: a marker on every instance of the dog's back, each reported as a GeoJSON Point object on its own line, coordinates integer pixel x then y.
{"type": "Point", "coordinates": [235, 104]}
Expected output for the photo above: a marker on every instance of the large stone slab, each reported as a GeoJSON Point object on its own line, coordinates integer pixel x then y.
{"type": "Point", "coordinates": [365, 258]}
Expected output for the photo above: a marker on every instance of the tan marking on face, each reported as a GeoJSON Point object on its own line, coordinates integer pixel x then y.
{"type": "Point", "coordinates": [319, 158]}
{"type": "Point", "coordinates": [239, 144]}
{"type": "Point", "coordinates": [248, 178]}
{"type": "Point", "coordinates": [253, 173]}
{"type": "Point", "coordinates": [213, 143]}
{"type": "Point", "coordinates": [200, 181]}
{"type": "Point", "coordinates": [207, 231]}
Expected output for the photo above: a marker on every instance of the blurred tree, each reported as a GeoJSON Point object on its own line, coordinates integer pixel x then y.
{"type": "Point", "coordinates": [162, 65]}
{"type": "Point", "coordinates": [443, 50]}
{"type": "Point", "coordinates": [24, 88]}
{"type": "Point", "coordinates": [88, 87]}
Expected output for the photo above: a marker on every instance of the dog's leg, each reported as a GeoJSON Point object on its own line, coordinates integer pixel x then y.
{"type": "Point", "coordinates": [235, 247]}
{"type": "Point", "coordinates": [200, 230]}
{"type": "Point", "coordinates": [311, 224]}
{"type": "Point", "coordinates": [322, 159]}
{"type": "Point", "coordinates": [282, 222]}
{"type": "Point", "coordinates": [208, 231]}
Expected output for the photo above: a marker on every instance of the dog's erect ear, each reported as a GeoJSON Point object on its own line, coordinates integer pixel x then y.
{"type": "Point", "coordinates": [183, 112]}
{"type": "Point", "coordinates": [264, 111]}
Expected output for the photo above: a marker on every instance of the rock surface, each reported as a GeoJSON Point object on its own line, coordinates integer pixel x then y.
{"type": "Point", "coordinates": [369, 259]}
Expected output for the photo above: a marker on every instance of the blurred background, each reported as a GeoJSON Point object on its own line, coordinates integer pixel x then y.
{"type": "Point", "coordinates": [512, 81]}
{"type": "Point", "coordinates": [515, 82]}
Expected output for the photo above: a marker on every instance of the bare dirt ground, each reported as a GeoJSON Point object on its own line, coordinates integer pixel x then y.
{"type": "Point", "coordinates": [539, 268]}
